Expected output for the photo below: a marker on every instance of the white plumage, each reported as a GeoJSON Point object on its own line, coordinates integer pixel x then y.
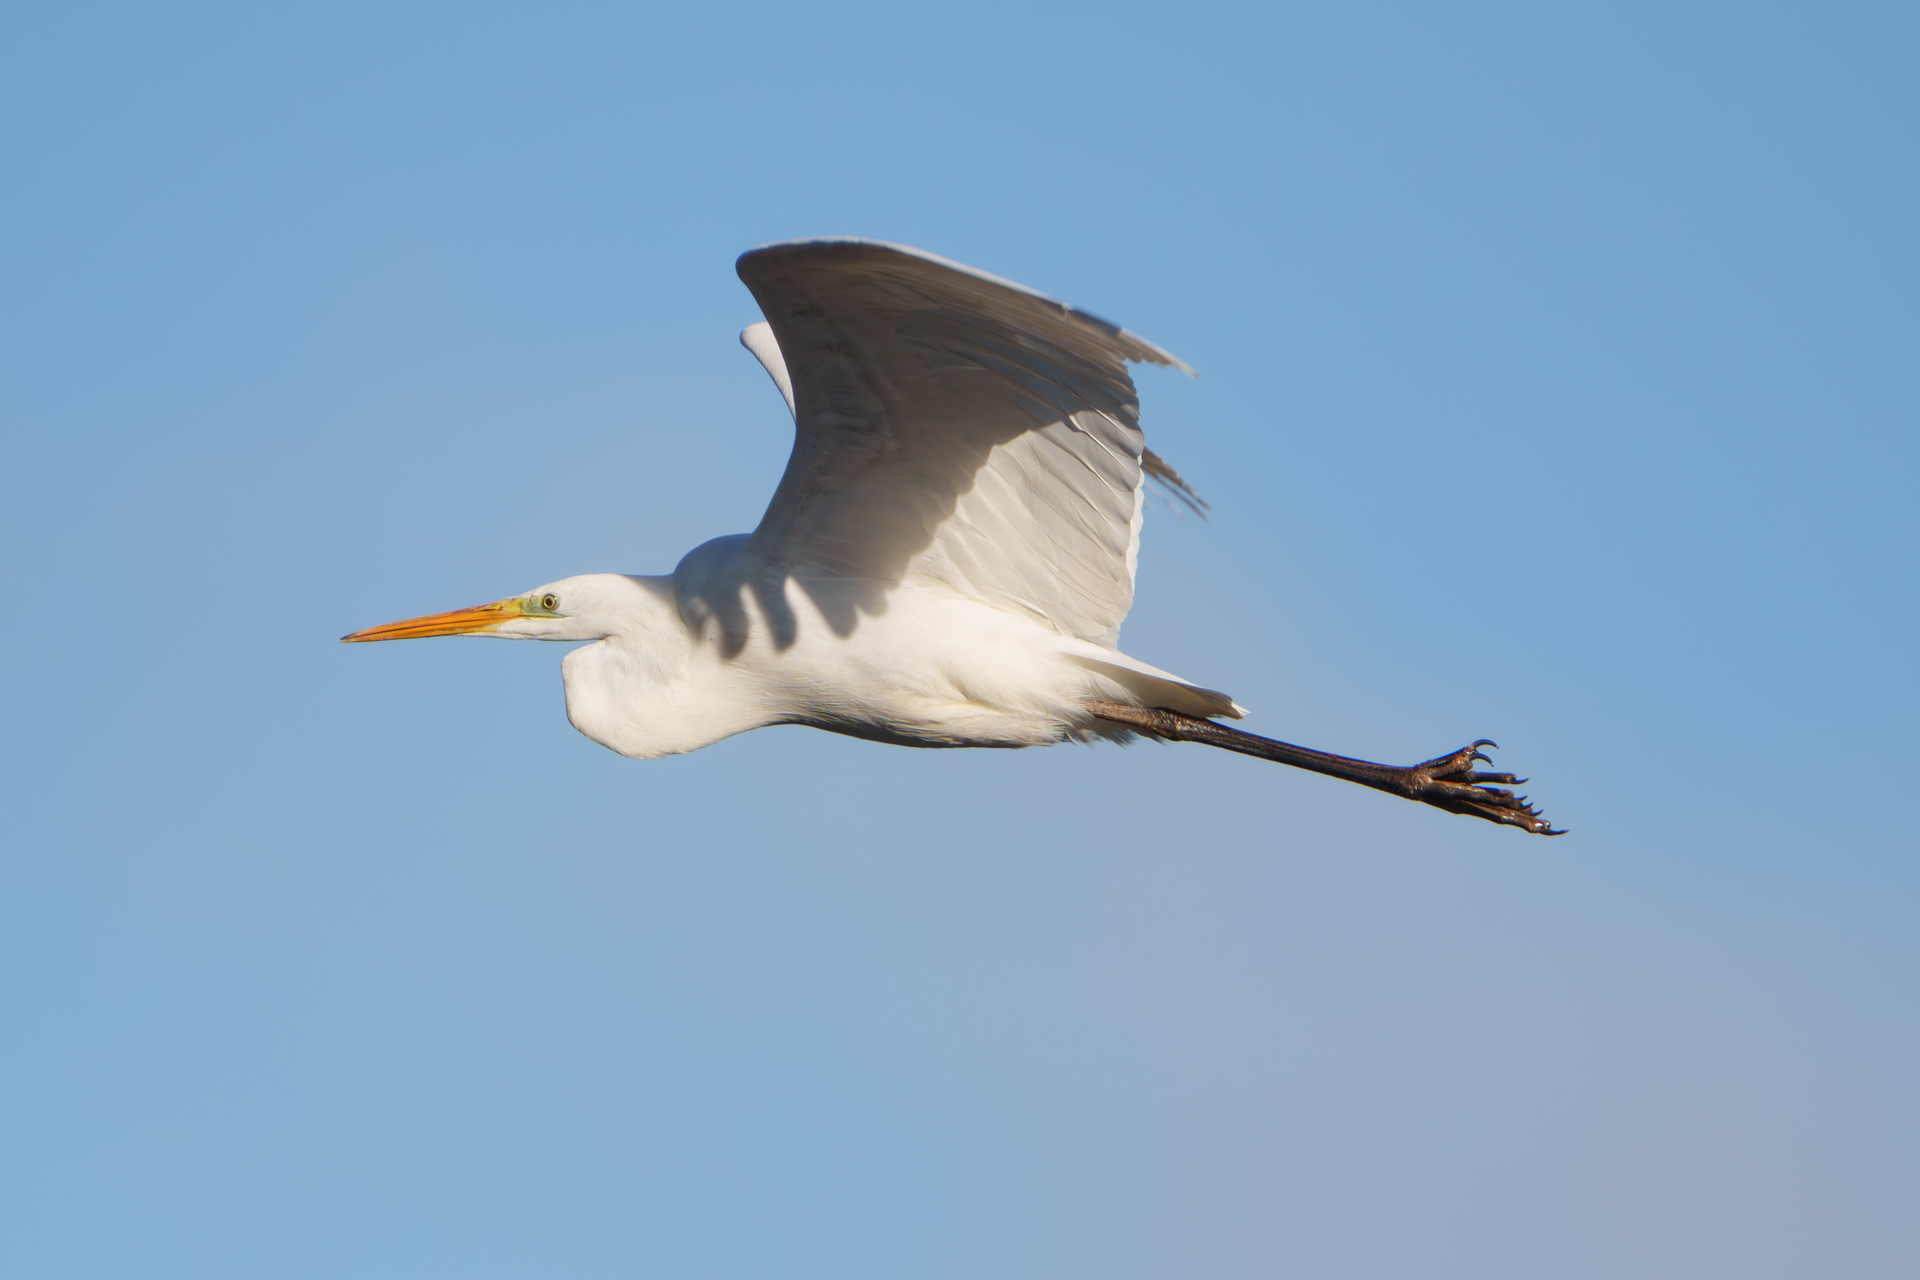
{"type": "Point", "coordinates": [946, 561]}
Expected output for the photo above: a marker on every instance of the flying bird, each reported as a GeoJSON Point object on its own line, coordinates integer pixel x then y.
{"type": "Point", "coordinates": [947, 559]}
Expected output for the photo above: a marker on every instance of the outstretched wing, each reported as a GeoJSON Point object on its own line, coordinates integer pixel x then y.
{"type": "Point", "coordinates": [951, 426]}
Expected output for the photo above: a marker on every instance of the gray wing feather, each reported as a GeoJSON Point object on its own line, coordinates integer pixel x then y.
{"type": "Point", "coordinates": [951, 426]}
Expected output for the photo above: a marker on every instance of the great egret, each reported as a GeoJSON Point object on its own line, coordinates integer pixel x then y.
{"type": "Point", "coordinates": [947, 559]}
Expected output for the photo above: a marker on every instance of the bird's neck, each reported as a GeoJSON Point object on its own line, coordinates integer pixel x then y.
{"type": "Point", "coordinates": [650, 689]}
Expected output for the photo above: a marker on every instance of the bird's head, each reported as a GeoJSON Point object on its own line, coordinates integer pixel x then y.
{"type": "Point", "coordinates": [589, 607]}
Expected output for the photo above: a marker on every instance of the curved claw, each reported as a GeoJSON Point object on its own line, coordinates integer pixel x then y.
{"type": "Point", "coordinates": [1451, 782]}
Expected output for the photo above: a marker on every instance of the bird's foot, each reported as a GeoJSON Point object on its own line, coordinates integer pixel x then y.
{"type": "Point", "coordinates": [1451, 782]}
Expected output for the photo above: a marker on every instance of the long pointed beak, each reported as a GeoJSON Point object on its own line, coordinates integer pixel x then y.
{"type": "Point", "coordinates": [458, 622]}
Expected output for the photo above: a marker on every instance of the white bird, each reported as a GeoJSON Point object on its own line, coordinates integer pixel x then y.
{"type": "Point", "coordinates": [945, 563]}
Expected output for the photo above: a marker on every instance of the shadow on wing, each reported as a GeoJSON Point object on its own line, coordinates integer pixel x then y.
{"type": "Point", "coordinates": [949, 427]}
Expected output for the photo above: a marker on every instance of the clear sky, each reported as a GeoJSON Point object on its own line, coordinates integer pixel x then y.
{"type": "Point", "coordinates": [1558, 386]}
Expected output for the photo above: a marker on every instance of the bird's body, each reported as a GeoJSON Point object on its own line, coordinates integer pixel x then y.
{"type": "Point", "coordinates": [947, 559]}
{"type": "Point", "coordinates": [934, 669]}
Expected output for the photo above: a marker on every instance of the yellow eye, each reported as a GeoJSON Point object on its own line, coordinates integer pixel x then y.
{"type": "Point", "coordinates": [550, 602]}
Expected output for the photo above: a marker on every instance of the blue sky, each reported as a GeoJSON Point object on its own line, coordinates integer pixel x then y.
{"type": "Point", "coordinates": [1558, 386]}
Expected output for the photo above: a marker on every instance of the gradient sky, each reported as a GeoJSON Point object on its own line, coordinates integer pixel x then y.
{"type": "Point", "coordinates": [1558, 386]}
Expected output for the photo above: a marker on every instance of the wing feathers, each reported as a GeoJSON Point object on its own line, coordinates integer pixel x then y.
{"type": "Point", "coordinates": [952, 426]}
{"type": "Point", "coordinates": [759, 339]}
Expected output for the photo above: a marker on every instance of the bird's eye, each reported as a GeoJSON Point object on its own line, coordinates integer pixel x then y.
{"type": "Point", "coordinates": [550, 602]}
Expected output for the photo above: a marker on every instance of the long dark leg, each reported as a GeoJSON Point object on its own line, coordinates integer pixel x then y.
{"type": "Point", "coordinates": [1448, 782]}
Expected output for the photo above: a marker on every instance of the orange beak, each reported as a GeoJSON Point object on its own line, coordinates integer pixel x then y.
{"type": "Point", "coordinates": [459, 622]}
